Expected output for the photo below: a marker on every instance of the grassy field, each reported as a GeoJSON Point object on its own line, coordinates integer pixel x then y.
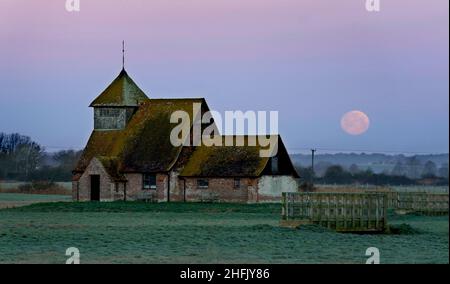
{"type": "Point", "coordinates": [16, 184]}
{"type": "Point", "coordinates": [122, 232]}
{"type": "Point", "coordinates": [8, 200]}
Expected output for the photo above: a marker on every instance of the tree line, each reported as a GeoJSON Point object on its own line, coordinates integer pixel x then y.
{"type": "Point", "coordinates": [336, 174]}
{"type": "Point", "coordinates": [23, 159]}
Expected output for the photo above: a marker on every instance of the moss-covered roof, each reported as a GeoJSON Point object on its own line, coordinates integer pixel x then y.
{"type": "Point", "coordinates": [236, 161]}
{"type": "Point", "coordinates": [111, 165]}
{"type": "Point", "coordinates": [147, 145]}
{"type": "Point", "coordinates": [123, 91]}
{"type": "Point", "coordinates": [144, 145]}
{"type": "Point", "coordinates": [100, 144]}
{"type": "Point", "coordinates": [223, 161]}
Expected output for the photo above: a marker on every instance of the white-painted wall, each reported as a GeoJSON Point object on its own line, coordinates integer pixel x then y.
{"type": "Point", "coordinates": [273, 186]}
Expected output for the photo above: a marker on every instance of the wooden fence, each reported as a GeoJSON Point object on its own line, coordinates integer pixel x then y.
{"type": "Point", "coordinates": [343, 212]}
{"type": "Point", "coordinates": [428, 203]}
{"type": "Point", "coordinates": [422, 202]}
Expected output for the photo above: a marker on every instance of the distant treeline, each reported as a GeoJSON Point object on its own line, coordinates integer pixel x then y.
{"type": "Point", "coordinates": [414, 167]}
{"type": "Point", "coordinates": [336, 174]}
{"type": "Point", "coordinates": [25, 160]}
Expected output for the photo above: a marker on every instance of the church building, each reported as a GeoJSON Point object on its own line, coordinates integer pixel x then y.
{"type": "Point", "coordinates": [129, 156]}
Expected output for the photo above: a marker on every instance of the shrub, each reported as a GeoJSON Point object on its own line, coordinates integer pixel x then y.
{"type": "Point", "coordinates": [306, 186]}
{"type": "Point", "coordinates": [42, 187]}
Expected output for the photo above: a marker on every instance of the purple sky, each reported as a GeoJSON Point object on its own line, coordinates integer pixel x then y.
{"type": "Point", "coordinates": [312, 60]}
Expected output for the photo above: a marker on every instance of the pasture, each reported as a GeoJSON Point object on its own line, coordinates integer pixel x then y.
{"type": "Point", "coordinates": [127, 232]}
{"type": "Point", "coordinates": [10, 200]}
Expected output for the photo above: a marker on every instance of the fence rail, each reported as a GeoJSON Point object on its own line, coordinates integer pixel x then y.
{"type": "Point", "coordinates": [345, 212]}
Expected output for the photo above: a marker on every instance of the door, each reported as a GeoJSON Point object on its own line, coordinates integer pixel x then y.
{"type": "Point", "coordinates": [95, 188]}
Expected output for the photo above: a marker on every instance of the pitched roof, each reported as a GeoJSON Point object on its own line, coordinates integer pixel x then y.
{"type": "Point", "coordinates": [100, 144]}
{"type": "Point", "coordinates": [144, 145]}
{"type": "Point", "coordinates": [123, 91]}
{"type": "Point", "coordinates": [147, 147]}
{"type": "Point", "coordinates": [229, 161]}
{"type": "Point", "coordinates": [111, 165]}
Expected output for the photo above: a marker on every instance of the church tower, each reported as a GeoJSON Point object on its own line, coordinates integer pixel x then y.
{"type": "Point", "coordinates": [114, 107]}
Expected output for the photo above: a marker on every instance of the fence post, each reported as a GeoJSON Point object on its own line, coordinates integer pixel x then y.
{"type": "Point", "coordinates": [385, 206]}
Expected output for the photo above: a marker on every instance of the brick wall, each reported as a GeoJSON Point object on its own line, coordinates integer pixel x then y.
{"type": "Point", "coordinates": [135, 187]}
{"type": "Point", "coordinates": [107, 187]}
{"type": "Point", "coordinates": [161, 187]}
{"type": "Point", "coordinates": [251, 190]}
{"type": "Point", "coordinates": [221, 188]}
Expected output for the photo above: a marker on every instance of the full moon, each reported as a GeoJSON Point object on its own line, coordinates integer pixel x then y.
{"type": "Point", "coordinates": [355, 122]}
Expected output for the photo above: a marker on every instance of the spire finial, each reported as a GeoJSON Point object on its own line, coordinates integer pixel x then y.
{"type": "Point", "coordinates": [123, 54]}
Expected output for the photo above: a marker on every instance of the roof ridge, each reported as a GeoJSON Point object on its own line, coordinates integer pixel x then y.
{"type": "Point", "coordinates": [176, 99]}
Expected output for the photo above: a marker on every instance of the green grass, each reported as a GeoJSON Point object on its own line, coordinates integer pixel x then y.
{"type": "Point", "coordinates": [129, 232]}
{"type": "Point", "coordinates": [14, 197]}
{"type": "Point", "coordinates": [174, 207]}
{"type": "Point", "coordinates": [8, 200]}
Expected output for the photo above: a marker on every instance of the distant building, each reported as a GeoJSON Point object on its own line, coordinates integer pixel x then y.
{"type": "Point", "coordinates": [129, 156]}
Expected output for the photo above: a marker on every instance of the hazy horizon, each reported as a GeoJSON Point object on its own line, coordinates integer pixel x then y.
{"type": "Point", "coordinates": [311, 60]}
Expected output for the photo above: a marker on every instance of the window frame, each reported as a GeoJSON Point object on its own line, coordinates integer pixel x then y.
{"type": "Point", "coordinates": [147, 178]}
{"type": "Point", "coordinates": [206, 181]}
{"type": "Point", "coordinates": [237, 183]}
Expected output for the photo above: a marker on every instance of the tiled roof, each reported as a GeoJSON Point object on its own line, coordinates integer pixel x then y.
{"type": "Point", "coordinates": [144, 145]}
{"type": "Point", "coordinates": [123, 91]}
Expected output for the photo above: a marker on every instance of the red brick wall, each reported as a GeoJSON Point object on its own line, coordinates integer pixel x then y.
{"type": "Point", "coordinates": [252, 190]}
{"type": "Point", "coordinates": [161, 187]}
{"type": "Point", "coordinates": [135, 187]}
{"type": "Point", "coordinates": [220, 188]}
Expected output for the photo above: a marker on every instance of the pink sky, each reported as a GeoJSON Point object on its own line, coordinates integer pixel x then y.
{"type": "Point", "coordinates": [312, 60]}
